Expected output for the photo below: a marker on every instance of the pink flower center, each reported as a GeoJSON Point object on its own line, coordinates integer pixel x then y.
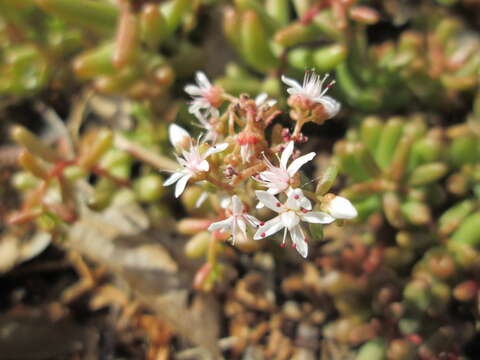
{"type": "Point", "coordinates": [214, 96]}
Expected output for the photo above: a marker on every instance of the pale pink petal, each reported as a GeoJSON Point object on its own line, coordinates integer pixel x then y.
{"type": "Point", "coordinates": [298, 163]}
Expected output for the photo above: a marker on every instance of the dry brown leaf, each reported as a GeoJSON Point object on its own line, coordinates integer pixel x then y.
{"type": "Point", "coordinates": [150, 262]}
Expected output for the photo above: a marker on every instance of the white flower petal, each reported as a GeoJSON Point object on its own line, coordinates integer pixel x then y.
{"type": "Point", "coordinates": [173, 178]}
{"type": "Point", "coordinates": [332, 106]}
{"type": "Point", "coordinates": [223, 225]}
{"type": "Point", "coordinates": [296, 200]}
{"type": "Point", "coordinates": [317, 217]}
{"type": "Point", "coordinates": [237, 205]}
{"type": "Point", "coordinates": [291, 82]}
{"type": "Point", "coordinates": [177, 134]}
{"type": "Point", "coordinates": [286, 154]}
{"type": "Point", "coordinates": [269, 200]}
{"type": "Point", "coordinates": [202, 79]}
{"type": "Point", "coordinates": [181, 184]}
{"type": "Point", "coordinates": [290, 219]}
{"type": "Point", "coordinates": [341, 208]}
{"type": "Point", "coordinates": [193, 90]}
{"type": "Point", "coordinates": [294, 91]}
{"type": "Point", "coordinates": [298, 163]}
{"type": "Point", "coordinates": [260, 99]}
{"type": "Point", "coordinates": [271, 227]}
{"type": "Point", "coordinates": [203, 166]}
{"type": "Point", "coordinates": [225, 201]}
{"type": "Point", "coordinates": [201, 199]}
{"type": "Point", "coordinates": [214, 112]}
{"type": "Point", "coordinates": [242, 226]}
{"type": "Point", "coordinates": [251, 220]}
{"type": "Point", "coordinates": [215, 149]}
{"type": "Point", "coordinates": [298, 238]}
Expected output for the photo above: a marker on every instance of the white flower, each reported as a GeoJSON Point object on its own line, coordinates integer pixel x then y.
{"type": "Point", "coordinates": [339, 207]}
{"type": "Point", "coordinates": [313, 90]}
{"type": "Point", "coordinates": [191, 162]}
{"type": "Point", "coordinates": [279, 179]}
{"type": "Point", "coordinates": [236, 222]}
{"type": "Point", "coordinates": [262, 101]}
{"type": "Point", "coordinates": [205, 96]}
{"type": "Point", "coordinates": [297, 208]}
{"type": "Point", "coordinates": [179, 137]}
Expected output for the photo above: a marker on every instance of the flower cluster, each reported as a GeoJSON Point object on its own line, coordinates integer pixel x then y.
{"type": "Point", "coordinates": [252, 176]}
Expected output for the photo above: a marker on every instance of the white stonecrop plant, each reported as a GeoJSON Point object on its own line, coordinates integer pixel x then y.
{"type": "Point", "coordinates": [283, 194]}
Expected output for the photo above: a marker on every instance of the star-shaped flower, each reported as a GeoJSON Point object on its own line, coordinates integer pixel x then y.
{"type": "Point", "coordinates": [296, 209]}
{"type": "Point", "coordinates": [205, 96]}
{"type": "Point", "coordinates": [192, 162]}
{"type": "Point", "coordinates": [279, 179]}
{"type": "Point", "coordinates": [237, 221]}
{"type": "Point", "coordinates": [312, 90]}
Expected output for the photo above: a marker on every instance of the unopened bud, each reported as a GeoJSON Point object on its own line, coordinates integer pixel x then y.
{"type": "Point", "coordinates": [339, 207]}
{"type": "Point", "coordinates": [179, 137]}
